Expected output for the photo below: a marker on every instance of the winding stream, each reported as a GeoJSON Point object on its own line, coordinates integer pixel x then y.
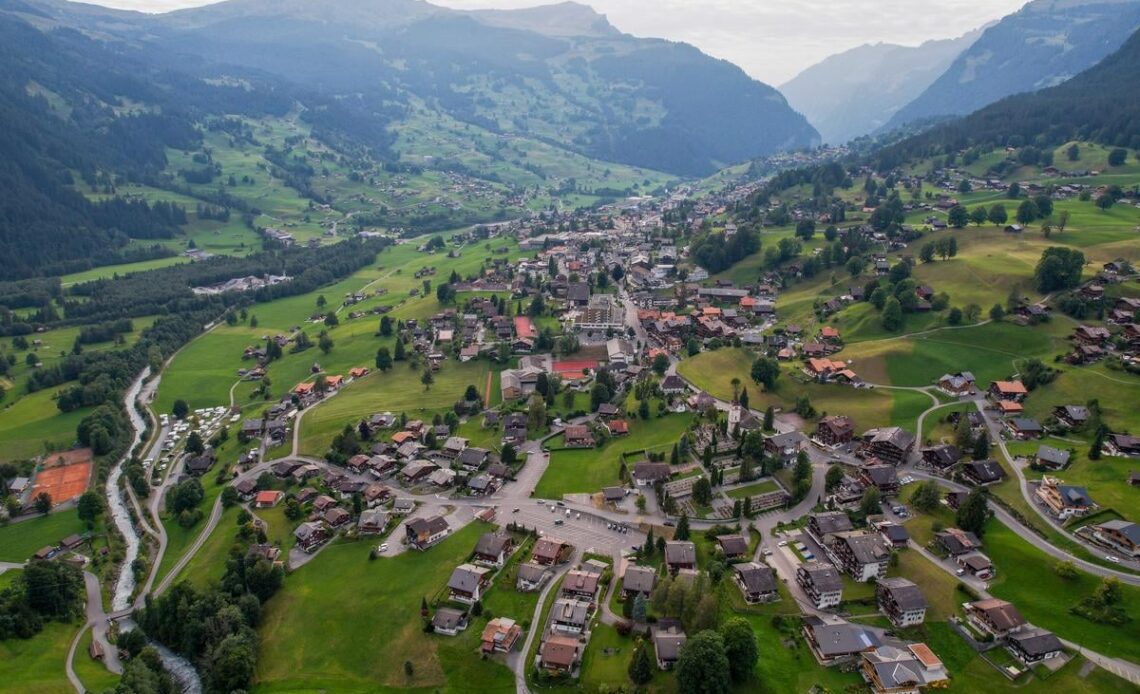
{"type": "Point", "coordinates": [180, 668]}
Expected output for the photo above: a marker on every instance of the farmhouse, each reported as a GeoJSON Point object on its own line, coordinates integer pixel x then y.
{"type": "Point", "coordinates": [1063, 500]}
{"type": "Point", "coordinates": [757, 582]}
{"type": "Point", "coordinates": [961, 383]}
{"type": "Point", "coordinates": [468, 582]}
{"type": "Point", "coordinates": [1123, 536]}
{"type": "Point", "coordinates": [425, 532]}
{"type": "Point", "coordinates": [638, 580]}
{"type": "Point", "coordinates": [1008, 390]}
{"type": "Point", "coordinates": [983, 472]}
{"type": "Point", "coordinates": [942, 456]}
{"type": "Point", "coordinates": [1050, 457]}
{"type": "Point", "coordinates": [835, 430]}
{"type": "Point", "coordinates": [578, 436]}
{"type": "Point", "coordinates": [733, 546]}
{"type": "Point", "coordinates": [1034, 645]}
{"type": "Point", "coordinates": [668, 638]}
{"type": "Point", "coordinates": [1122, 445]}
{"type": "Point", "coordinates": [372, 522]}
{"type": "Point", "coordinates": [680, 555]}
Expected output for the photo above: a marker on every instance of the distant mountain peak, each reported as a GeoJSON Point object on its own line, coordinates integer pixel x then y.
{"type": "Point", "coordinates": [563, 19]}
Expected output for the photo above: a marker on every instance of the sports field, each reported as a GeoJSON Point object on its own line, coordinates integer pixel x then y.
{"type": "Point", "coordinates": [64, 476]}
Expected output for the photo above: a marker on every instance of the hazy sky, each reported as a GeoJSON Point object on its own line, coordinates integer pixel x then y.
{"type": "Point", "coordinates": [772, 40]}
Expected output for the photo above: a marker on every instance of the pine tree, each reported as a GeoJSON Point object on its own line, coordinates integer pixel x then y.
{"type": "Point", "coordinates": [641, 668]}
{"type": "Point", "coordinates": [682, 532]}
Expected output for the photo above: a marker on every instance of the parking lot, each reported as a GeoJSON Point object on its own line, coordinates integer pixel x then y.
{"type": "Point", "coordinates": [587, 533]}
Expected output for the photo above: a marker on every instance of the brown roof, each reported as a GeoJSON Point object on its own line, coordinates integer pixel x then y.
{"type": "Point", "coordinates": [1002, 614]}
{"type": "Point", "coordinates": [559, 650]}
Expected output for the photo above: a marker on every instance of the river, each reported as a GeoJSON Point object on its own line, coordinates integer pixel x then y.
{"type": "Point", "coordinates": [180, 668]}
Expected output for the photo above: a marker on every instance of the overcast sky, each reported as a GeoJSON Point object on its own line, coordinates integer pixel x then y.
{"type": "Point", "coordinates": [772, 40]}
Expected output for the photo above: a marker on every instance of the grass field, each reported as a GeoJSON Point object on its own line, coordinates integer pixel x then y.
{"type": "Point", "coordinates": [19, 541]}
{"type": "Point", "coordinates": [210, 562]}
{"type": "Point", "coordinates": [36, 665]}
{"type": "Point", "coordinates": [33, 422]}
{"type": "Point", "coordinates": [91, 672]}
{"type": "Point", "coordinates": [375, 607]}
{"type": "Point", "coordinates": [590, 469]}
{"type": "Point", "coordinates": [937, 585]}
{"type": "Point", "coordinates": [1026, 578]}
{"type": "Point", "coordinates": [179, 538]}
{"type": "Point", "coordinates": [752, 489]}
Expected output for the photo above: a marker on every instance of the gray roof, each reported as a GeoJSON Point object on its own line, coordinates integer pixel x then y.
{"type": "Point", "coordinates": [986, 470]}
{"type": "Point", "coordinates": [867, 549]}
{"type": "Point", "coordinates": [824, 577]}
{"type": "Point", "coordinates": [570, 611]}
{"type": "Point", "coordinates": [531, 572]}
{"type": "Point", "coordinates": [447, 618]}
{"type": "Point", "coordinates": [680, 552]}
{"type": "Point", "coordinates": [1075, 496]}
{"type": "Point", "coordinates": [1126, 528]}
{"type": "Point", "coordinates": [667, 641]}
{"type": "Point", "coordinates": [733, 544]}
{"type": "Point", "coordinates": [831, 522]}
{"type": "Point", "coordinates": [905, 593]}
{"type": "Point", "coordinates": [1054, 456]}
{"type": "Point", "coordinates": [841, 639]}
{"type": "Point", "coordinates": [757, 578]}
{"type": "Point", "coordinates": [466, 578]}
{"type": "Point", "coordinates": [639, 578]}
{"type": "Point", "coordinates": [492, 544]}
{"type": "Point", "coordinates": [1036, 641]}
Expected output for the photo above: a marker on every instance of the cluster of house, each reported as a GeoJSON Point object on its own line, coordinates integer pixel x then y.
{"type": "Point", "coordinates": [1092, 343]}
{"type": "Point", "coordinates": [879, 451]}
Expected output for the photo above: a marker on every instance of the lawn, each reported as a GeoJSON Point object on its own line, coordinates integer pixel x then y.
{"type": "Point", "coordinates": [375, 607]}
{"type": "Point", "coordinates": [938, 586]}
{"type": "Point", "coordinates": [398, 390]}
{"type": "Point", "coordinates": [1026, 578]}
{"type": "Point", "coordinates": [1106, 479]}
{"type": "Point", "coordinates": [36, 665]}
{"type": "Point", "coordinates": [29, 423]}
{"type": "Point", "coordinates": [91, 672]}
{"type": "Point", "coordinates": [179, 538]}
{"type": "Point", "coordinates": [588, 470]}
{"type": "Point", "coordinates": [19, 541]}
{"type": "Point", "coordinates": [210, 562]}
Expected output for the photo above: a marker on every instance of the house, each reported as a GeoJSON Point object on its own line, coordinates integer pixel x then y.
{"type": "Point", "coordinates": [638, 580]}
{"type": "Point", "coordinates": [530, 577]}
{"type": "Point", "coordinates": [1034, 645]}
{"type": "Point", "coordinates": [901, 601]}
{"type": "Point", "coordinates": [674, 385]}
{"type": "Point", "coordinates": [558, 653]}
{"type": "Point", "coordinates": [418, 471]}
{"type": "Point", "coordinates": [1122, 446]}
{"type": "Point", "coordinates": [425, 532]}
{"type": "Point", "coordinates": [733, 546]}
{"type": "Point", "coordinates": [1008, 390]}
{"type": "Point", "coordinates": [821, 583]}
{"type": "Point", "coordinates": [402, 507]}
{"type": "Point", "coordinates": [613, 495]}
{"type": "Point", "coordinates": [983, 472]}
{"type": "Point", "coordinates": [825, 523]}
{"type": "Point", "coordinates": [1121, 535]}
{"type": "Point", "coordinates": [1063, 500]}
{"type": "Point", "coordinates": [310, 535]}
{"type": "Point", "coordinates": [617, 427]}
{"type": "Point", "coordinates": [942, 456]}
{"type": "Point", "coordinates": [372, 522]}
{"type": "Point", "coordinates": [578, 436]}
{"type": "Point", "coordinates": [493, 549]}
{"type": "Point", "coordinates": [1022, 428]}
{"type": "Point", "coordinates": [977, 564]}
{"type": "Point", "coordinates": [863, 556]}
{"type": "Point", "coordinates": [1072, 416]}
{"type": "Point", "coordinates": [1091, 335]}
{"type": "Point", "coordinates": [472, 459]}
{"type": "Point", "coordinates": [895, 535]}
{"type": "Point", "coordinates": [500, 635]}
{"type": "Point", "coordinates": [668, 638]}
{"type": "Point", "coordinates": [1050, 457]}
{"type": "Point", "coordinates": [336, 517]}
{"type": "Point", "coordinates": [881, 476]}
{"type": "Point", "coordinates": [897, 670]}
{"type": "Point", "coordinates": [268, 498]}
{"type": "Point", "coordinates": [785, 447]}
{"type": "Point", "coordinates": [835, 430]}
{"type": "Point", "coordinates": [756, 582]}
{"type": "Point", "coordinates": [834, 641]}
{"type": "Point", "coordinates": [468, 582]}
{"type": "Point", "coordinates": [246, 489]}
{"type": "Point", "coordinates": [549, 551]}
{"type": "Point", "coordinates": [995, 617]}
{"type": "Point", "coordinates": [957, 541]}
{"type": "Point", "coordinates": [448, 621]}
{"type": "Point", "coordinates": [646, 473]}
{"type": "Point", "coordinates": [569, 616]}
{"type": "Point", "coordinates": [581, 585]}
{"type": "Point", "coordinates": [956, 385]}
{"type": "Point", "coordinates": [890, 444]}
{"type": "Point", "coordinates": [262, 551]}
{"type": "Point", "coordinates": [680, 554]}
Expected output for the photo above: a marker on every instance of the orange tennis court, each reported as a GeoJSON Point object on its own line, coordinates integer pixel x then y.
{"type": "Point", "coordinates": [65, 476]}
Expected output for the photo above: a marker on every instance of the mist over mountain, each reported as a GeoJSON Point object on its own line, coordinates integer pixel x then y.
{"type": "Point", "coordinates": [1041, 45]}
{"type": "Point", "coordinates": [856, 92]}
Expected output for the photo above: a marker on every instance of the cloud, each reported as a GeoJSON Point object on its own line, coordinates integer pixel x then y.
{"type": "Point", "coordinates": [772, 40]}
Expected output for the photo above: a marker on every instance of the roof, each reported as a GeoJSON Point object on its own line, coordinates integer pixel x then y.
{"type": "Point", "coordinates": [757, 578]}
{"type": "Point", "coordinates": [431, 526]}
{"type": "Point", "coordinates": [824, 577]}
{"type": "Point", "coordinates": [1010, 387]}
{"type": "Point", "coordinates": [466, 578]}
{"type": "Point", "coordinates": [831, 522]}
{"type": "Point", "coordinates": [1126, 528]}
{"type": "Point", "coordinates": [986, 470]}
{"type": "Point", "coordinates": [733, 544]}
{"type": "Point", "coordinates": [867, 549]}
{"type": "Point", "coordinates": [680, 552]}
{"type": "Point", "coordinates": [268, 496]}
{"type": "Point", "coordinates": [905, 593]}
{"type": "Point", "coordinates": [447, 618]}
{"type": "Point", "coordinates": [894, 436]}
{"type": "Point", "coordinates": [639, 578]}
{"type": "Point", "coordinates": [570, 611]}
{"type": "Point", "coordinates": [667, 641]}
{"type": "Point", "coordinates": [559, 650]}
{"type": "Point", "coordinates": [531, 572]}
{"type": "Point", "coordinates": [492, 544]}
{"type": "Point", "coordinates": [1036, 641]}
{"type": "Point", "coordinates": [1052, 455]}
{"type": "Point", "coordinates": [841, 639]}
{"type": "Point", "coordinates": [1002, 614]}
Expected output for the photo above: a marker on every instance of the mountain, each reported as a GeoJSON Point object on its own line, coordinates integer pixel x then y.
{"type": "Point", "coordinates": [1041, 45]}
{"type": "Point", "coordinates": [1101, 104]}
{"type": "Point", "coordinates": [856, 92]}
{"type": "Point", "coordinates": [559, 73]}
